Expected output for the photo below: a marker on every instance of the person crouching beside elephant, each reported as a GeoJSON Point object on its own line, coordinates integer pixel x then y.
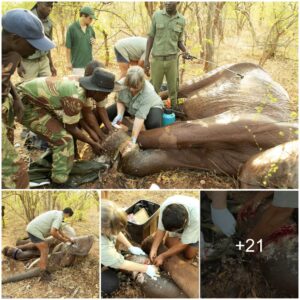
{"type": "Point", "coordinates": [179, 217]}
{"type": "Point", "coordinates": [48, 223]}
{"type": "Point", "coordinates": [54, 107]}
{"type": "Point", "coordinates": [139, 100]}
{"type": "Point", "coordinates": [113, 221]}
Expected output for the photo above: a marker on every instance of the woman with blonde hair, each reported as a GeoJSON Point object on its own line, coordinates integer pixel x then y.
{"type": "Point", "coordinates": [113, 221]}
{"type": "Point", "coordinates": [139, 100]}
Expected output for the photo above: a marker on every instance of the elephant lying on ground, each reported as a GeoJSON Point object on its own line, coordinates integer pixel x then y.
{"type": "Point", "coordinates": [63, 255]}
{"type": "Point", "coordinates": [230, 120]}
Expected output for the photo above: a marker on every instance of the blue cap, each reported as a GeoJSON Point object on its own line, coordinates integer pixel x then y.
{"type": "Point", "coordinates": [25, 24]}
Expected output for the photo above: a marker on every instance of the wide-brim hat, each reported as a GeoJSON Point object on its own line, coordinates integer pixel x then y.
{"type": "Point", "coordinates": [101, 81]}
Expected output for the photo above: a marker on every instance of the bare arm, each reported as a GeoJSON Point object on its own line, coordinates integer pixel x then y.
{"type": "Point", "coordinates": [147, 55]}
{"type": "Point", "coordinates": [149, 48]}
{"type": "Point", "coordinates": [90, 119]}
{"type": "Point", "coordinates": [123, 240]}
{"type": "Point", "coordinates": [133, 267]}
{"type": "Point", "coordinates": [159, 235]}
{"type": "Point", "coordinates": [137, 126]}
{"type": "Point", "coordinates": [181, 46]}
{"type": "Point", "coordinates": [78, 134]}
{"type": "Point", "coordinates": [17, 103]}
{"type": "Point", "coordinates": [120, 108]}
{"type": "Point", "coordinates": [56, 234]}
{"type": "Point", "coordinates": [89, 130]}
{"type": "Point", "coordinates": [174, 250]}
{"type": "Point", "coordinates": [104, 117]}
{"type": "Point", "coordinates": [52, 68]}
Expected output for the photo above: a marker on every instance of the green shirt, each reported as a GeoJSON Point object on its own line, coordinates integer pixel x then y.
{"type": "Point", "coordinates": [167, 31]}
{"type": "Point", "coordinates": [61, 96]}
{"type": "Point", "coordinates": [191, 232]}
{"type": "Point", "coordinates": [48, 27]}
{"type": "Point", "coordinates": [41, 225]}
{"type": "Point", "coordinates": [80, 44]}
{"type": "Point", "coordinates": [110, 257]}
{"type": "Point", "coordinates": [132, 48]}
{"type": "Point", "coordinates": [140, 104]}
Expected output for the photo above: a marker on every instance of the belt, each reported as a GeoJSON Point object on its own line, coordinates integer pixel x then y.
{"type": "Point", "coordinates": [165, 57]}
{"type": "Point", "coordinates": [35, 59]}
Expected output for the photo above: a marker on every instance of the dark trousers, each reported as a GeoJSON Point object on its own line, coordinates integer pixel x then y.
{"type": "Point", "coordinates": [109, 281]}
{"type": "Point", "coordinates": [153, 120]}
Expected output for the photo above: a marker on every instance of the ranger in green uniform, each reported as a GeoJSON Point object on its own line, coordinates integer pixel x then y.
{"type": "Point", "coordinates": [165, 37]}
{"type": "Point", "coordinates": [80, 39]}
{"type": "Point", "coordinates": [22, 34]}
{"type": "Point", "coordinates": [53, 108]}
{"type": "Point", "coordinates": [40, 63]}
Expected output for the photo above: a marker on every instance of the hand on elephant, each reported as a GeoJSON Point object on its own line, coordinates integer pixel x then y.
{"type": "Point", "coordinates": [97, 149]}
{"type": "Point", "coordinates": [159, 260]}
{"type": "Point", "coordinates": [224, 220]}
{"type": "Point", "coordinates": [152, 255]}
{"type": "Point", "coordinates": [118, 119]}
{"type": "Point", "coordinates": [136, 251]}
{"type": "Point", "coordinates": [152, 272]}
{"type": "Point", "coordinates": [127, 147]}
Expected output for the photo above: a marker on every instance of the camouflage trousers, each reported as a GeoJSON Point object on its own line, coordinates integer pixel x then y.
{"type": "Point", "coordinates": [48, 126]}
{"type": "Point", "coordinates": [14, 169]}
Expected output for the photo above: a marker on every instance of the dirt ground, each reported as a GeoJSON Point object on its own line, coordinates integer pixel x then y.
{"type": "Point", "coordinates": [128, 287]}
{"type": "Point", "coordinates": [284, 71]}
{"type": "Point", "coordinates": [78, 281]}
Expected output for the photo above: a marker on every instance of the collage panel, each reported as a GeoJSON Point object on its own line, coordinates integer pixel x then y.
{"type": "Point", "coordinates": [50, 244]}
{"type": "Point", "coordinates": [86, 104]}
{"type": "Point", "coordinates": [249, 244]}
{"type": "Point", "coordinates": [150, 244]}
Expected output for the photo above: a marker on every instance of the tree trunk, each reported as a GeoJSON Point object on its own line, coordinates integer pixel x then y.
{"type": "Point", "coordinates": [209, 38]}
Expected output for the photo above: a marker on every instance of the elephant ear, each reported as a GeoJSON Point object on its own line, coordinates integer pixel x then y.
{"type": "Point", "coordinates": [82, 245]}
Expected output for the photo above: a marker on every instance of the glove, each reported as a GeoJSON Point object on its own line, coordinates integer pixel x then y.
{"type": "Point", "coordinates": [117, 119]}
{"type": "Point", "coordinates": [127, 147]}
{"type": "Point", "coordinates": [136, 251]}
{"type": "Point", "coordinates": [152, 272]}
{"type": "Point", "coordinates": [224, 220]}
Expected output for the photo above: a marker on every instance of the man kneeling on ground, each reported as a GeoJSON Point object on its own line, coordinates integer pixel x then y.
{"type": "Point", "coordinates": [180, 217]}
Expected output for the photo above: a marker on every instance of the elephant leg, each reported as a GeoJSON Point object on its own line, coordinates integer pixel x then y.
{"type": "Point", "coordinates": [221, 161]}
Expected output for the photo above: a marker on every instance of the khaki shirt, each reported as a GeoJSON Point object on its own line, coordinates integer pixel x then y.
{"type": "Point", "coordinates": [48, 26]}
{"type": "Point", "coordinates": [132, 48]}
{"type": "Point", "coordinates": [110, 257]}
{"type": "Point", "coordinates": [140, 104]}
{"type": "Point", "coordinates": [41, 225]}
{"type": "Point", "coordinates": [191, 232]}
{"type": "Point", "coordinates": [167, 31]}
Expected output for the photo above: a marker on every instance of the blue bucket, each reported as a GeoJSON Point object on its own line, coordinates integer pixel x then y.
{"type": "Point", "coordinates": [168, 118]}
